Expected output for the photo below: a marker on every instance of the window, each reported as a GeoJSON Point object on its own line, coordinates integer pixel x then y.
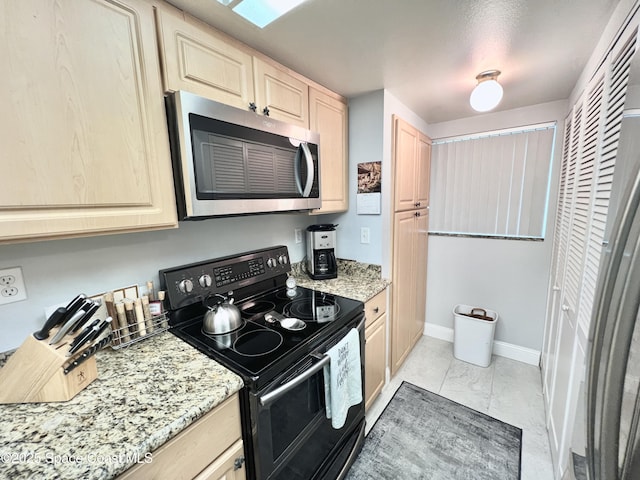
{"type": "Point", "coordinates": [492, 184]}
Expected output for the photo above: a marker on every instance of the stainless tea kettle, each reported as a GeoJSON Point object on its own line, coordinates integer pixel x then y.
{"type": "Point", "coordinates": [223, 317]}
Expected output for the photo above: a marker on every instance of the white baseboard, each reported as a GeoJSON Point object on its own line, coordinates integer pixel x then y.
{"type": "Point", "coordinates": [502, 349]}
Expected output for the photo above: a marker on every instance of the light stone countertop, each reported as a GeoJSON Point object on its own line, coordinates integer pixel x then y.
{"type": "Point", "coordinates": [144, 395]}
{"type": "Point", "coordinates": [360, 281]}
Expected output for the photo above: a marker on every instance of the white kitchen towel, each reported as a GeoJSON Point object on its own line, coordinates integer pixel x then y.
{"type": "Point", "coordinates": [343, 378]}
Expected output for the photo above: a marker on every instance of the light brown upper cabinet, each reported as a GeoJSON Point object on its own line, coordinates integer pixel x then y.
{"type": "Point", "coordinates": [284, 96]}
{"type": "Point", "coordinates": [83, 129]}
{"type": "Point", "coordinates": [412, 174]}
{"type": "Point", "coordinates": [198, 59]}
{"type": "Point", "coordinates": [329, 119]}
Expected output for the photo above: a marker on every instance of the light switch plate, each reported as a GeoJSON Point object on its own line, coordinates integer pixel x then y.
{"type": "Point", "coordinates": [12, 288]}
{"type": "Point", "coordinates": [365, 235]}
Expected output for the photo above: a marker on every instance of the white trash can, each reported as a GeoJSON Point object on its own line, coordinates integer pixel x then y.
{"type": "Point", "coordinates": [473, 333]}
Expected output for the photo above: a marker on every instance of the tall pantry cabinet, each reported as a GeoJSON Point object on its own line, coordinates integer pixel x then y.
{"type": "Point", "coordinates": [411, 172]}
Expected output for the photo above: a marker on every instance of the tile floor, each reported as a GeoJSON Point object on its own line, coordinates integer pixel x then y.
{"type": "Point", "coordinates": [507, 390]}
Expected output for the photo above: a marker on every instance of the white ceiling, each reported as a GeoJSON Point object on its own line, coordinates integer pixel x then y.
{"type": "Point", "coordinates": [428, 52]}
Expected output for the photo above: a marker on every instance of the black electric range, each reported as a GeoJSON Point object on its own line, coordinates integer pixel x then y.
{"type": "Point", "coordinates": [285, 430]}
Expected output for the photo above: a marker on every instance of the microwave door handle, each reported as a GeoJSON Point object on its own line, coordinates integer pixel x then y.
{"type": "Point", "coordinates": [310, 169]}
{"type": "Point", "coordinates": [281, 390]}
{"type": "Point", "coordinates": [296, 169]}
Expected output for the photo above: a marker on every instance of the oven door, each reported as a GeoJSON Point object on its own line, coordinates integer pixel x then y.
{"type": "Point", "coordinates": [292, 438]}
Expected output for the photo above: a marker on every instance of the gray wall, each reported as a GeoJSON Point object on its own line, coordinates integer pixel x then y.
{"type": "Point", "coordinates": [507, 276]}
{"type": "Point", "coordinates": [57, 270]}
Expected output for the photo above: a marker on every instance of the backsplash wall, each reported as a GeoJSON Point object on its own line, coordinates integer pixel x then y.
{"type": "Point", "coordinates": [56, 270]}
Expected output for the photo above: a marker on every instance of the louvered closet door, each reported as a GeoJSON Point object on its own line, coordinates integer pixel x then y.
{"type": "Point", "coordinates": [589, 154]}
{"type": "Point", "coordinates": [568, 272]}
{"type": "Point", "coordinates": [558, 258]}
{"type": "Point", "coordinates": [603, 179]}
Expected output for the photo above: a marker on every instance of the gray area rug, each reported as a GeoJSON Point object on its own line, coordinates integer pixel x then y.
{"type": "Point", "coordinates": [421, 435]}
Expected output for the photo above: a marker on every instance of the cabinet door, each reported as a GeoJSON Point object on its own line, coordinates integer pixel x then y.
{"type": "Point", "coordinates": [375, 348]}
{"type": "Point", "coordinates": [228, 466]}
{"type": "Point", "coordinates": [420, 245]}
{"type": "Point", "coordinates": [423, 176]}
{"type": "Point", "coordinates": [200, 60]}
{"type": "Point", "coordinates": [403, 304]}
{"type": "Point", "coordinates": [286, 97]}
{"type": "Point", "coordinates": [83, 130]}
{"type": "Point", "coordinates": [329, 119]}
{"type": "Point", "coordinates": [405, 154]}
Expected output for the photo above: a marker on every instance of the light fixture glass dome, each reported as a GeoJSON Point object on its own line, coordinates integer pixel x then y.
{"type": "Point", "coordinates": [488, 93]}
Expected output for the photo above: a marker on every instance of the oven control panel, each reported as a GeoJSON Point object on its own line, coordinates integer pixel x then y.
{"type": "Point", "coordinates": [189, 284]}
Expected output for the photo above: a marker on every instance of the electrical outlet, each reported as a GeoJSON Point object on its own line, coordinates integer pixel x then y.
{"type": "Point", "coordinates": [12, 288]}
{"type": "Point", "coordinates": [365, 235]}
{"type": "Point", "coordinates": [298, 232]}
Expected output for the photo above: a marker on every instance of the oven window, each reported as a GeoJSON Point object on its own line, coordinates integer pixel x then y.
{"type": "Point", "coordinates": [294, 412]}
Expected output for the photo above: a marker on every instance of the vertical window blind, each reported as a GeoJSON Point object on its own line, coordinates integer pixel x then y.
{"type": "Point", "coordinates": [493, 183]}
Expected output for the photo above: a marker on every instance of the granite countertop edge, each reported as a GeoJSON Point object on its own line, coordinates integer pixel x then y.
{"type": "Point", "coordinates": [356, 280]}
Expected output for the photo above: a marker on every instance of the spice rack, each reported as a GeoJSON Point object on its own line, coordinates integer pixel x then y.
{"type": "Point", "coordinates": [124, 337]}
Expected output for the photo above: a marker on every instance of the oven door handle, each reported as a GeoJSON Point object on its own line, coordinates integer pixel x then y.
{"type": "Point", "coordinates": [282, 389]}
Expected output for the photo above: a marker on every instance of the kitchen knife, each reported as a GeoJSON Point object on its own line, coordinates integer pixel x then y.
{"type": "Point", "coordinates": [83, 336]}
{"type": "Point", "coordinates": [92, 308]}
{"type": "Point", "coordinates": [75, 305]}
{"type": "Point", "coordinates": [67, 326]}
{"type": "Point", "coordinates": [88, 335]}
{"type": "Point", "coordinates": [56, 318]}
{"type": "Point", "coordinates": [60, 316]}
{"type": "Point", "coordinates": [87, 353]}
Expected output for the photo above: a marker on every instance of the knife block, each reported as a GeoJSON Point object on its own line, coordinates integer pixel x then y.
{"type": "Point", "coordinates": [34, 373]}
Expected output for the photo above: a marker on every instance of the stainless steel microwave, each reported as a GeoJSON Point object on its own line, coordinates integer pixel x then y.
{"type": "Point", "coordinates": [228, 161]}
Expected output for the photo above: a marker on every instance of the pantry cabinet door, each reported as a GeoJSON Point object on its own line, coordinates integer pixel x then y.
{"type": "Point", "coordinates": [420, 244]}
{"type": "Point", "coordinates": [423, 176]}
{"type": "Point", "coordinates": [200, 60]}
{"type": "Point", "coordinates": [405, 151]}
{"type": "Point", "coordinates": [83, 130]}
{"type": "Point", "coordinates": [404, 293]}
{"type": "Point", "coordinates": [285, 96]}
{"type": "Point", "coordinates": [329, 119]}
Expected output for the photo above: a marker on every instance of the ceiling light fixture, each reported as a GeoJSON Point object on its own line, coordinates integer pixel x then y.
{"type": "Point", "coordinates": [261, 12]}
{"type": "Point", "coordinates": [487, 93]}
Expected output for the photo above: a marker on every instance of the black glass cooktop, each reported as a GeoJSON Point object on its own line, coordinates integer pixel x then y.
{"type": "Point", "coordinates": [260, 344]}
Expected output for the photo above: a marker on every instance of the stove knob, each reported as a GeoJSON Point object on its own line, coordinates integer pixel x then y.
{"type": "Point", "coordinates": [282, 259]}
{"type": "Point", "coordinates": [185, 286]}
{"type": "Point", "coordinates": [271, 263]}
{"type": "Point", "coordinates": [205, 280]}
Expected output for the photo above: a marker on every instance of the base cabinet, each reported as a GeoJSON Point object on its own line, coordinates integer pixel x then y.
{"type": "Point", "coordinates": [375, 336]}
{"type": "Point", "coordinates": [211, 449]}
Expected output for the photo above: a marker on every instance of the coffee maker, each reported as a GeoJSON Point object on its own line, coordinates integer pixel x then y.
{"type": "Point", "coordinates": [321, 257]}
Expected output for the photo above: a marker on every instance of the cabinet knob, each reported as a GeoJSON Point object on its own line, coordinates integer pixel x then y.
{"type": "Point", "coordinates": [417, 214]}
{"type": "Point", "coordinates": [376, 310]}
{"type": "Point", "coordinates": [252, 106]}
{"type": "Point", "coordinates": [417, 204]}
{"type": "Point", "coordinates": [265, 111]}
{"type": "Point", "coordinates": [565, 308]}
{"type": "Point", "coordinates": [237, 464]}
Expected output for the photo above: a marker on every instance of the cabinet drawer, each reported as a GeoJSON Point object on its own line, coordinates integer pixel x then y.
{"type": "Point", "coordinates": [228, 466]}
{"type": "Point", "coordinates": [375, 307]}
{"type": "Point", "coordinates": [195, 448]}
